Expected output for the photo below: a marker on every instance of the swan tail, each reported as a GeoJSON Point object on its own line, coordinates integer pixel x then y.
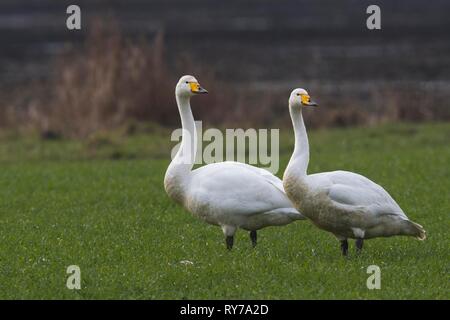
{"type": "Point", "coordinates": [298, 216]}
{"type": "Point", "coordinates": [416, 230]}
{"type": "Point", "coordinates": [292, 213]}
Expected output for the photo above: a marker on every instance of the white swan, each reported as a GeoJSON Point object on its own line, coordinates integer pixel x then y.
{"type": "Point", "coordinates": [229, 194]}
{"type": "Point", "coordinates": [341, 202]}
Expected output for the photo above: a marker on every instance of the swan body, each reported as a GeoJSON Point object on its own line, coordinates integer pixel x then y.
{"type": "Point", "coordinates": [228, 194]}
{"type": "Point", "coordinates": [344, 203]}
{"type": "Point", "coordinates": [235, 194]}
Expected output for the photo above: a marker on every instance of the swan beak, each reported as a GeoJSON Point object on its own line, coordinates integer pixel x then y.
{"type": "Point", "coordinates": [202, 90]}
{"type": "Point", "coordinates": [306, 101]}
{"type": "Point", "coordinates": [196, 88]}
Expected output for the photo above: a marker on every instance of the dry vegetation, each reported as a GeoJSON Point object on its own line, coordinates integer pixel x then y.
{"type": "Point", "coordinates": [112, 81]}
{"type": "Point", "coordinates": [109, 82]}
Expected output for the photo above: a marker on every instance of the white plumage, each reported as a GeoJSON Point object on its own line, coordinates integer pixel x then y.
{"type": "Point", "coordinates": [228, 194]}
{"type": "Point", "coordinates": [345, 203]}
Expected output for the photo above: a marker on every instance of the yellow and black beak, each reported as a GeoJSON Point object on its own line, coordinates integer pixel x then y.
{"type": "Point", "coordinates": [196, 88]}
{"type": "Point", "coordinates": [306, 101]}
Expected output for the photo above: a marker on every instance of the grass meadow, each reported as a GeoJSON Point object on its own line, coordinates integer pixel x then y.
{"type": "Point", "coordinates": [100, 204]}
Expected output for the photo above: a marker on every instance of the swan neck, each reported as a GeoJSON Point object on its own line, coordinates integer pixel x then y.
{"type": "Point", "coordinates": [298, 165]}
{"type": "Point", "coordinates": [177, 174]}
{"type": "Point", "coordinates": [185, 156]}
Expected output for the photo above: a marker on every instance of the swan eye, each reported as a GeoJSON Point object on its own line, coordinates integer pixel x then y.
{"type": "Point", "coordinates": [298, 94]}
{"type": "Point", "coordinates": [187, 82]}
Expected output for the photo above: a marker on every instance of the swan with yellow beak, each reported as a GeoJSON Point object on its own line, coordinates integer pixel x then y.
{"type": "Point", "coordinates": [228, 194]}
{"type": "Point", "coordinates": [344, 203]}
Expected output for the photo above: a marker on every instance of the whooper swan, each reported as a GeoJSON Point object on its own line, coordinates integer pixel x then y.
{"type": "Point", "coordinates": [344, 203]}
{"type": "Point", "coordinates": [228, 194]}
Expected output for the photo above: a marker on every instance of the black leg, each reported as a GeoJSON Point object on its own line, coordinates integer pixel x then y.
{"type": "Point", "coordinates": [229, 240]}
{"type": "Point", "coordinates": [253, 237]}
{"type": "Point", "coordinates": [359, 245]}
{"type": "Point", "coordinates": [344, 247]}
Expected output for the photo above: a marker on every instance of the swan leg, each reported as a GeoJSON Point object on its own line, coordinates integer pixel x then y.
{"type": "Point", "coordinates": [229, 232]}
{"type": "Point", "coordinates": [344, 247]}
{"type": "Point", "coordinates": [253, 237]}
{"type": "Point", "coordinates": [229, 240]}
{"type": "Point", "coordinates": [359, 245]}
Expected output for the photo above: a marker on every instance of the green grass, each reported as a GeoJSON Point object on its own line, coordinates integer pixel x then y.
{"type": "Point", "coordinates": [101, 205]}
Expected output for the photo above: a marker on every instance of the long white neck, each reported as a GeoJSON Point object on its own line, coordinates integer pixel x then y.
{"type": "Point", "coordinates": [185, 156]}
{"type": "Point", "coordinates": [298, 164]}
{"type": "Point", "coordinates": [181, 165]}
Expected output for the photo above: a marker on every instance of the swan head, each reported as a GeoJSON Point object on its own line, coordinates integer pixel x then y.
{"type": "Point", "coordinates": [188, 86]}
{"type": "Point", "coordinates": [300, 98]}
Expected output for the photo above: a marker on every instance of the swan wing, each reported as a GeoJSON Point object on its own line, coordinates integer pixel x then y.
{"type": "Point", "coordinates": [265, 174]}
{"type": "Point", "coordinates": [348, 188]}
{"type": "Point", "coordinates": [236, 188]}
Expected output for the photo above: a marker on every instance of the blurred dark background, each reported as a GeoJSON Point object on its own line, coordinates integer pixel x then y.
{"type": "Point", "coordinates": [122, 66]}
